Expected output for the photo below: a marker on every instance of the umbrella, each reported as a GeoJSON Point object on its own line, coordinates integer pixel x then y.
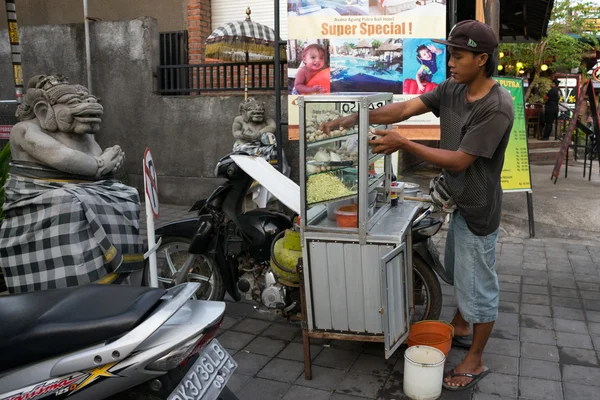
{"type": "Point", "coordinates": [245, 36]}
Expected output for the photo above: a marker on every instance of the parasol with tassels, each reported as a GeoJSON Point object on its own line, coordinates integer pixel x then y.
{"type": "Point", "coordinates": [248, 37]}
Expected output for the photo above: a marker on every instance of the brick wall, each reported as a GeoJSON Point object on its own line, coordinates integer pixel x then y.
{"type": "Point", "coordinates": [199, 28]}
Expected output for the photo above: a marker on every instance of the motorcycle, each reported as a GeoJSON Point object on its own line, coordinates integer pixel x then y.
{"type": "Point", "coordinates": [238, 251]}
{"type": "Point", "coordinates": [112, 341]}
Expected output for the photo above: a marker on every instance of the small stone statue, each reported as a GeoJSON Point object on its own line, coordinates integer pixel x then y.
{"type": "Point", "coordinates": [255, 136]}
{"type": "Point", "coordinates": [58, 121]}
{"type": "Point", "coordinates": [251, 124]}
{"type": "Point", "coordinates": [67, 222]}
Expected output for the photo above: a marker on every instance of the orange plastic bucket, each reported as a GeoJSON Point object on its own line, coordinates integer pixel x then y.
{"type": "Point", "coordinates": [436, 334]}
{"type": "Point", "coordinates": [347, 216]}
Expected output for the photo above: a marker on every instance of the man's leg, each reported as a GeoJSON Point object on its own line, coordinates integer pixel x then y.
{"type": "Point", "coordinates": [549, 117]}
{"type": "Point", "coordinates": [473, 362]}
{"type": "Point", "coordinates": [477, 292]}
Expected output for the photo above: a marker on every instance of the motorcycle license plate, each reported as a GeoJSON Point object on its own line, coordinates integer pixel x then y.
{"type": "Point", "coordinates": [208, 376]}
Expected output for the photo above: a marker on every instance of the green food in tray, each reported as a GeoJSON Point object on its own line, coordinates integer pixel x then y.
{"type": "Point", "coordinates": [325, 187]}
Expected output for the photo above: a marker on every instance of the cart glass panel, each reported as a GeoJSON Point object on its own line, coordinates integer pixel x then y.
{"type": "Point", "coordinates": [331, 166]}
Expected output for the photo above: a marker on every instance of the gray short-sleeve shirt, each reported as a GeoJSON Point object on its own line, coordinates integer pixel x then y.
{"type": "Point", "coordinates": [480, 128]}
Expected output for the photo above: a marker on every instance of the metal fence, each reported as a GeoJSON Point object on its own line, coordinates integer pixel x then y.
{"type": "Point", "coordinates": [218, 77]}
{"type": "Point", "coordinates": [173, 51]}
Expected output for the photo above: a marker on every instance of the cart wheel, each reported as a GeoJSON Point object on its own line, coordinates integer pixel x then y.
{"type": "Point", "coordinates": [427, 292]}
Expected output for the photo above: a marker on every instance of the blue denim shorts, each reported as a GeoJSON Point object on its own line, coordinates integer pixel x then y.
{"type": "Point", "coordinates": [471, 259]}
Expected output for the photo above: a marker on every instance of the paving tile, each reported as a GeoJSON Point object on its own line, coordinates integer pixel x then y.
{"type": "Point", "coordinates": [342, 396]}
{"type": "Point", "coordinates": [533, 309]}
{"type": "Point", "coordinates": [540, 369]}
{"type": "Point", "coordinates": [264, 389]}
{"type": "Point", "coordinates": [508, 307]}
{"type": "Point", "coordinates": [540, 389]}
{"type": "Point", "coordinates": [564, 292]}
{"type": "Point", "coordinates": [563, 283]}
{"type": "Point", "coordinates": [507, 278]}
{"type": "Point", "coordinates": [593, 305]}
{"type": "Point", "coordinates": [590, 295]}
{"type": "Point", "coordinates": [513, 297]}
{"type": "Point", "coordinates": [569, 313]}
{"type": "Point", "coordinates": [530, 280]}
{"type": "Point", "coordinates": [306, 393]}
{"type": "Point", "coordinates": [587, 278]}
{"type": "Point", "coordinates": [533, 289]}
{"type": "Point", "coordinates": [540, 336]}
{"type": "Point", "coordinates": [565, 325]}
{"type": "Point", "coordinates": [537, 266]}
{"type": "Point", "coordinates": [265, 346]}
{"type": "Point", "coordinates": [510, 287]}
{"type": "Point", "coordinates": [502, 364]}
{"type": "Point", "coordinates": [593, 316]}
{"type": "Point", "coordinates": [229, 321]}
{"type": "Point", "coordinates": [235, 340]}
{"type": "Point", "coordinates": [393, 388]}
{"type": "Point", "coordinates": [322, 378]}
{"type": "Point", "coordinates": [574, 340]}
{"type": "Point", "coordinates": [589, 286]}
{"type": "Point", "coordinates": [499, 384]}
{"type": "Point", "coordinates": [336, 358]}
{"type": "Point", "coordinates": [574, 391]}
{"type": "Point", "coordinates": [573, 356]}
{"type": "Point", "coordinates": [285, 331]}
{"type": "Point", "coordinates": [250, 364]}
{"type": "Point", "coordinates": [567, 302]}
{"type": "Point", "coordinates": [348, 345]}
{"type": "Point", "coordinates": [237, 382]}
{"type": "Point", "coordinates": [239, 309]}
{"type": "Point", "coordinates": [363, 385]}
{"type": "Point", "coordinates": [295, 351]}
{"type": "Point", "coordinates": [505, 347]}
{"type": "Point", "coordinates": [583, 375]}
{"type": "Point", "coordinates": [506, 326]}
{"type": "Point", "coordinates": [485, 396]}
{"type": "Point", "coordinates": [543, 352]}
{"type": "Point", "coordinates": [282, 370]}
{"type": "Point", "coordinates": [534, 321]}
{"type": "Point", "coordinates": [250, 325]}
{"type": "Point", "coordinates": [594, 328]}
{"type": "Point", "coordinates": [374, 365]}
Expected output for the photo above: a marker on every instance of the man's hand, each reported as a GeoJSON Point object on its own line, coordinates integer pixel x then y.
{"type": "Point", "coordinates": [387, 141]}
{"type": "Point", "coordinates": [339, 123]}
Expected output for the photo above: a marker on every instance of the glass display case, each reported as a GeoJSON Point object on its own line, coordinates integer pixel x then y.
{"type": "Point", "coordinates": [344, 186]}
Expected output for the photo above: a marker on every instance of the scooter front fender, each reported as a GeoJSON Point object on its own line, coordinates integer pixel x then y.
{"type": "Point", "coordinates": [184, 228]}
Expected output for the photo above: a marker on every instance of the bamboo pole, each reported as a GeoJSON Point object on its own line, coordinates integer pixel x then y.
{"type": "Point", "coordinates": [15, 48]}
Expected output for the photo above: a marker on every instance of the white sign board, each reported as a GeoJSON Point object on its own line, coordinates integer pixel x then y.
{"type": "Point", "coordinates": [150, 182]}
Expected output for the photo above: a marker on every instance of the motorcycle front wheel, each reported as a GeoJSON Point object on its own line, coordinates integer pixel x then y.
{"type": "Point", "coordinates": [427, 292]}
{"type": "Point", "coordinates": [170, 257]}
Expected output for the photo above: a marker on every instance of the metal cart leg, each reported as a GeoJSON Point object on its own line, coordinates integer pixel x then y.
{"type": "Point", "coordinates": [305, 335]}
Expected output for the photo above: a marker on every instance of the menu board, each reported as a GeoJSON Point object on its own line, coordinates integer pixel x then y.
{"type": "Point", "coordinates": [515, 174]}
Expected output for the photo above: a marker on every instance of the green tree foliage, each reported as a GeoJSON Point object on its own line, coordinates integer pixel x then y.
{"type": "Point", "coordinates": [572, 32]}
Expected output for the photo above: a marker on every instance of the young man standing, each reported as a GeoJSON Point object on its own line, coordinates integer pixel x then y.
{"type": "Point", "coordinates": [551, 108]}
{"type": "Point", "coordinates": [476, 117]}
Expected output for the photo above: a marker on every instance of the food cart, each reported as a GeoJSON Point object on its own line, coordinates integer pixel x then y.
{"type": "Point", "coordinates": [357, 259]}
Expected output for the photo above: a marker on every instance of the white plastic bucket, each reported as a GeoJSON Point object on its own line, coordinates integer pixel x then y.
{"type": "Point", "coordinates": [423, 372]}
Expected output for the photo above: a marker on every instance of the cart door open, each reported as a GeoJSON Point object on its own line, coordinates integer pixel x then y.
{"type": "Point", "coordinates": [394, 298]}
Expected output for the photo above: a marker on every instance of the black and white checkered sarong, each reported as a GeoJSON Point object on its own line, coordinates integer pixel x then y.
{"type": "Point", "coordinates": [57, 234]}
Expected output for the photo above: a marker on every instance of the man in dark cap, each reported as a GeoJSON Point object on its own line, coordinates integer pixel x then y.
{"type": "Point", "coordinates": [476, 117]}
{"type": "Point", "coordinates": [551, 108]}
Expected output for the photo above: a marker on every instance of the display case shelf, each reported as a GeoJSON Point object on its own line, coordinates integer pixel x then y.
{"type": "Point", "coordinates": [329, 140]}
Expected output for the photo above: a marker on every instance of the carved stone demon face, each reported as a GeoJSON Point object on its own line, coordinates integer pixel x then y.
{"type": "Point", "coordinates": [253, 111]}
{"type": "Point", "coordinates": [60, 107]}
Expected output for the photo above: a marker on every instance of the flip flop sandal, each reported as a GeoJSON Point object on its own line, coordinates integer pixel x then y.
{"type": "Point", "coordinates": [463, 342]}
{"type": "Point", "coordinates": [474, 379]}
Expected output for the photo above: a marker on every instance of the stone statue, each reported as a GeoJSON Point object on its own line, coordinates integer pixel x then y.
{"type": "Point", "coordinates": [58, 121]}
{"type": "Point", "coordinates": [66, 221]}
{"type": "Point", "coordinates": [254, 132]}
{"type": "Point", "coordinates": [252, 123]}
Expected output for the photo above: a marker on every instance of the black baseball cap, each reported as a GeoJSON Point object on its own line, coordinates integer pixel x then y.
{"type": "Point", "coordinates": [471, 35]}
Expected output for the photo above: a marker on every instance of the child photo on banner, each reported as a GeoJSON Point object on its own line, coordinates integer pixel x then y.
{"type": "Point", "coordinates": [424, 66]}
{"type": "Point", "coordinates": [308, 67]}
{"type": "Point", "coordinates": [366, 65]}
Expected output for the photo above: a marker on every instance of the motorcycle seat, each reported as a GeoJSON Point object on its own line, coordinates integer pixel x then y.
{"type": "Point", "coordinates": [39, 325]}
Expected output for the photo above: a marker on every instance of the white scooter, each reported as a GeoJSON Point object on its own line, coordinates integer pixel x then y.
{"type": "Point", "coordinates": [96, 341]}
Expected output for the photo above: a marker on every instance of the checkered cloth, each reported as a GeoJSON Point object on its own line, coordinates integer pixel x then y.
{"type": "Point", "coordinates": [57, 234]}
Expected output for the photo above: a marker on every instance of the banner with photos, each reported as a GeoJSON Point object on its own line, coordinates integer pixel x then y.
{"type": "Point", "coordinates": [339, 46]}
